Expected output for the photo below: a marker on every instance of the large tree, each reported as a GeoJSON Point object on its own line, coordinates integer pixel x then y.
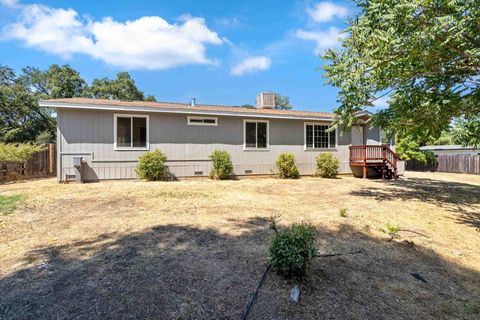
{"type": "Point", "coordinates": [55, 82]}
{"type": "Point", "coordinates": [21, 119]}
{"type": "Point", "coordinates": [282, 102]}
{"type": "Point", "coordinates": [423, 55]}
{"type": "Point", "coordinates": [121, 88]}
{"type": "Point", "coordinates": [464, 131]}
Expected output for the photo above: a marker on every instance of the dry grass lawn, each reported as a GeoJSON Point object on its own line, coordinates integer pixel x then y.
{"type": "Point", "coordinates": [195, 249]}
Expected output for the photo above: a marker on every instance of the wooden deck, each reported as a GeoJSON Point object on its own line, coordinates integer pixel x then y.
{"type": "Point", "coordinates": [379, 157]}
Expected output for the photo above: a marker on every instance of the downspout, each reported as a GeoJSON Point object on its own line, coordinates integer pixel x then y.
{"type": "Point", "coordinates": [59, 149]}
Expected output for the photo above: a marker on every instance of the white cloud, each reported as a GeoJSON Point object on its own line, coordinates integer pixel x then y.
{"type": "Point", "coordinates": [146, 43]}
{"type": "Point", "coordinates": [233, 22]}
{"type": "Point", "coordinates": [326, 11]}
{"type": "Point", "coordinates": [9, 3]}
{"type": "Point", "coordinates": [251, 65]}
{"type": "Point", "coordinates": [323, 39]}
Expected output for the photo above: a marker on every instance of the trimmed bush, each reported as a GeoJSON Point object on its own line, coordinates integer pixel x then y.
{"type": "Point", "coordinates": [327, 165]}
{"type": "Point", "coordinates": [17, 152]}
{"type": "Point", "coordinates": [151, 166]}
{"type": "Point", "coordinates": [287, 169]}
{"type": "Point", "coordinates": [292, 249]}
{"type": "Point", "coordinates": [222, 165]}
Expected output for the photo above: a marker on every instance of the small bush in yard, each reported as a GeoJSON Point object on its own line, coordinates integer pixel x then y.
{"type": "Point", "coordinates": [292, 249]}
{"type": "Point", "coordinates": [222, 165]}
{"type": "Point", "coordinates": [151, 166]}
{"type": "Point", "coordinates": [287, 169]}
{"type": "Point", "coordinates": [327, 165]}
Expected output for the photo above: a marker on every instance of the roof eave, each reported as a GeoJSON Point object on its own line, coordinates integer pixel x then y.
{"type": "Point", "coordinates": [53, 104]}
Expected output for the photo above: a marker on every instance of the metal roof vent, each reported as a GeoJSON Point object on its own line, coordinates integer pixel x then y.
{"type": "Point", "coordinates": [193, 103]}
{"type": "Point", "coordinates": [266, 100]}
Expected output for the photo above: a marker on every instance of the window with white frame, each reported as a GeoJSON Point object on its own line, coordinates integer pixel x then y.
{"type": "Point", "coordinates": [255, 134]}
{"type": "Point", "coordinates": [317, 136]}
{"type": "Point", "coordinates": [131, 132]}
{"type": "Point", "coordinates": [202, 121]}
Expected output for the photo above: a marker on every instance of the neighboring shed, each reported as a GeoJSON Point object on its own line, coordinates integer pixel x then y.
{"type": "Point", "coordinates": [451, 150]}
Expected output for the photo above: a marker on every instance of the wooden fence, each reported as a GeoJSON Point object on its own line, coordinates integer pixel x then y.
{"type": "Point", "coordinates": [41, 164]}
{"type": "Point", "coordinates": [415, 165]}
{"type": "Point", "coordinates": [459, 163]}
{"type": "Point", "coordinates": [449, 163]}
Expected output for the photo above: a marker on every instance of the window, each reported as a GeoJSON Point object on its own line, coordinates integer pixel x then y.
{"type": "Point", "coordinates": [317, 136]}
{"type": "Point", "coordinates": [130, 132]}
{"type": "Point", "coordinates": [202, 121]}
{"type": "Point", "coordinates": [255, 135]}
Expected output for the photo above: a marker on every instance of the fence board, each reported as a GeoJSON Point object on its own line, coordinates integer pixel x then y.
{"type": "Point", "coordinates": [449, 163]}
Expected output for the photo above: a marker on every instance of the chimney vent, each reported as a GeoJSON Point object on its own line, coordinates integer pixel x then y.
{"type": "Point", "coordinates": [266, 100]}
{"type": "Point", "coordinates": [193, 103]}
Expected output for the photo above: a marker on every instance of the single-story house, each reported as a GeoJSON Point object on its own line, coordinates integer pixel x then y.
{"type": "Point", "coordinates": [108, 136]}
{"type": "Point", "coordinates": [451, 150]}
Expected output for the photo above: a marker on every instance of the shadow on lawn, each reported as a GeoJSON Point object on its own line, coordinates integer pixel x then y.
{"type": "Point", "coordinates": [454, 196]}
{"type": "Point", "coordinates": [181, 272]}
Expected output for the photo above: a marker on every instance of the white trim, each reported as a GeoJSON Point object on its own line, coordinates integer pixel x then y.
{"type": "Point", "coordinates": [131, 116]}
{"type": "Point", "coordinates": [52, 104]}
{"type": "Point", "coordinates": [330, 148]}
{"type": "Point", "coordinates": [203, 123]}
{"type": "Point", "coordinates": [245, 148]}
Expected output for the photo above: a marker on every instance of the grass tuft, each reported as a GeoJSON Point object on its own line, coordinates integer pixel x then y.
{"type": "Point", "coordinates": [8, 204]}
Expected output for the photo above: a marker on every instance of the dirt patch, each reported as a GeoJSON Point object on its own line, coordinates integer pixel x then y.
{"type": "Point", "coordinates": [195, 249]}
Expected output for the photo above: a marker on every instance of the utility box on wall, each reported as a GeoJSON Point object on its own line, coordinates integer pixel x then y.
{"type": "Point", "coordinates": [78, 165]}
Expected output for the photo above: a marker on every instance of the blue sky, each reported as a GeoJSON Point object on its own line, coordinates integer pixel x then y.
{"type": "Point", "coordinates": [221, 52]}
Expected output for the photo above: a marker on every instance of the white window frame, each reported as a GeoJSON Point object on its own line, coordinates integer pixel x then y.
{"type": "Point", "coordinates": [203, 123]}
{"type": "Point", "coordinates": [305, 124]}
{"type": "Point", "coordinates": [131, 116]}
{"type": "Point", "coordinates": [245, 148]}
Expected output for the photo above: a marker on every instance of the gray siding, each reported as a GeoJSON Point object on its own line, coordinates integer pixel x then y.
{"type": "Point", "coordinates": [90, 134]}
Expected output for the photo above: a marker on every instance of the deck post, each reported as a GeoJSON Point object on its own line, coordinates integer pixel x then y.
{"type": "Point", "coordinates": [364, 161]}
{"type": "Point", "coordinates": [384, 161]}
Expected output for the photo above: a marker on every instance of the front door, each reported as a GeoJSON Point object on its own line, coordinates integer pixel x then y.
{"type": "Point", "coordinates": [357, 136]}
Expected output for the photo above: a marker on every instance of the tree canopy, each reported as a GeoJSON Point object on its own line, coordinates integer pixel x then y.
{"type": "Point", "coordinates": [423, 55]}
{"type": "Point", "coordinates": [21, 118]}
{"type": "Point", "coordinates": [282, 102]}
{"type": "Point", "coordinates": [464, 131]}
{"type": "Point", "coordinates": [121, 88]}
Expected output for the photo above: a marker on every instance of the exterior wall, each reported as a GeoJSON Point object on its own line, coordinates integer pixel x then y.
{"type": "Point", "coordinates": [90, 134]}
{"type": "Point", "coordinates": [371, 135]}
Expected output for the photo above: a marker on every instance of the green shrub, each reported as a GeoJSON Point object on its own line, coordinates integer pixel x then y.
{"type": "Point", "coordinates": [17, 152]}
{"type": "Point", "coordinates": [287, 169]}
{"type": "Point", "coordinates": [343, 212]}
{"type": "Point", "coordinates": [291, 250]}
{"type": "Point", "coordinates": [151, 166]}
{"type": "Point", "coordinates": [222, 165]}
{"type": "Point", "coordinates": [327, 165]}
